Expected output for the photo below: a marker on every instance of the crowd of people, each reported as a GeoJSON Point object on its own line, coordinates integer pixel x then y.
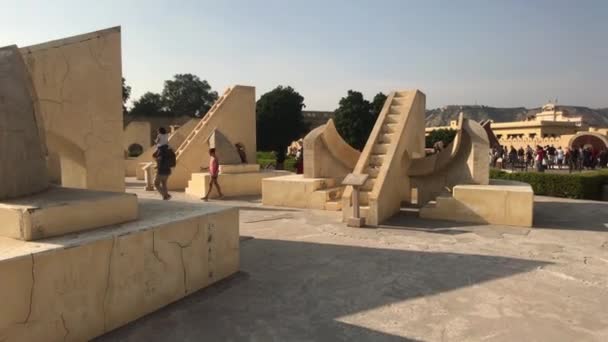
{"type": "Point", "coordinates": [549, 157]}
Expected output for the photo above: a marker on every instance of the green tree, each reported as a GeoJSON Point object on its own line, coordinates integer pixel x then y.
{"type": "Point", "coordinates": [377, 104]}
{"type": "Point", "coordinates": [149, 104]}
{"type": "Point", "coordinates": [444, 134]}
{"type": "Point", "coordinates": [354, 119]}
{"type": "Point", "coordinates": [187, 94]}
{"type": "Point", "coordinates": [279, 120]}
{"type": "Point", "coordinates": [126, 94]}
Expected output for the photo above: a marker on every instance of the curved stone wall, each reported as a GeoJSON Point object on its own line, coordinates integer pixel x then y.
{"type": "Point", "coordinates": [327, 155]}
{"type": "Point", "coordinates": [23, 168]}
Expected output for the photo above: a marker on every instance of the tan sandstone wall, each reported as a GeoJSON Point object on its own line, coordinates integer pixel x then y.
{"type": "Point", "coordinates": [137, 132]}
{"type": "Point", "coordinates": [78, 81]}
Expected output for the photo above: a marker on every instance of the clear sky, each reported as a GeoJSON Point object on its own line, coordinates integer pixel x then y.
{"type": "Point", "coordinates": [492, 52]}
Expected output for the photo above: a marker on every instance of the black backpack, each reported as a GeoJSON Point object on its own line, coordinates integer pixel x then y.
{"type": "Point", "coordinates": [171, 157]}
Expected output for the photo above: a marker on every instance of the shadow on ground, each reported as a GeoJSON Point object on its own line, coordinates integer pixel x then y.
{"type": "Point", "coordinates": [298, 291]}
{"type": "Point", "coordinates": [408, 220]}
{"type": "Point", "coordinates": [573, 215]}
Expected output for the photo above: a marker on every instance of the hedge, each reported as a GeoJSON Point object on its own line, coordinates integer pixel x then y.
{"type": "Point", "coordinates": [268, 158]}
{"type": "Point", "coordinates": [585, 185]}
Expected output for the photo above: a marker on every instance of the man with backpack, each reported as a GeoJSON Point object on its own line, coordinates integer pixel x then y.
{"type": "Point", "coordinates": [165, 160]}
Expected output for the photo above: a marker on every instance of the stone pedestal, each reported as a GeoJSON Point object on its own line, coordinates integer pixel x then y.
{"type": "Point", "coordinates": [295, 191]}
{"type": "Point", "coordinates": [503, 202]}
{"type": "Point", "coordinates": [59, 211]}
{"type": "Point", "coordinates": [80, 286]}
{"type": "Point", "coordinates": [235, 180]}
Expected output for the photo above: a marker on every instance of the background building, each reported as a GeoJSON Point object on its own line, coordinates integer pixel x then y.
{"type": "Point", "coordinates": [552, 126]}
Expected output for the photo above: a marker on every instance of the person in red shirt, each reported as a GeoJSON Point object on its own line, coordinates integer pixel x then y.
{"type": "Point", "coordinates": [214, 170]}
{"type": "Point", "coordinates": [540, 156]}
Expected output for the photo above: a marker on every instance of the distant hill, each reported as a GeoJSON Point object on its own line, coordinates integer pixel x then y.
{"type": "Point", "coordinates": [443, 116]}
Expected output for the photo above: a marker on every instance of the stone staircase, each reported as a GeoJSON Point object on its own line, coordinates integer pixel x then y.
{"type": "Point", "coordinates": [388, 135]}
{"type": "Point", "coordinates": [395, 131]}
{"type": "Point", "coordinates": [232, 114]}
{"type": "Point", "coordinates": [332, 197]}
{"type": "Point", "coordinates": [327, 195]}
{"type": "Point", "coordinates": [199, 127]}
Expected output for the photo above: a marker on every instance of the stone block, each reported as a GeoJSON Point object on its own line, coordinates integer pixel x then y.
{"type": "Point", "coordinates": [295, 191]}
{"type": "Point", "coordinates": [233, 184]}
{"type": "Point", "coordinates": [80, 286]}
{"type": "Point", "coordinates": [240, 168]}
{"type": "Point", "coordinates": [505, 204]}
{"type": "Point", "coordinates": [356, 222]}
{"type": "Point", "coordinates": [59, 211]}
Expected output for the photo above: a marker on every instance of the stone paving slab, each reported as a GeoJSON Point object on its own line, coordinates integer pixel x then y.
{"type": "Point", "coordinates": [305, 276]}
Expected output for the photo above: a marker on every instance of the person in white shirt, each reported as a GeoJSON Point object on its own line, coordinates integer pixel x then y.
{"type": "Point", "coordinates": [560, 157]}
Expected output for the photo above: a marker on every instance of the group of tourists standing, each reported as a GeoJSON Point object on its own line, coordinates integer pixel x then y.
{"type": "Point", "coordinates": [548, 157]}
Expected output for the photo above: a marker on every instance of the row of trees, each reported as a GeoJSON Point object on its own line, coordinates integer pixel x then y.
{"type": "Point", "coordinates": [185, 94]}
{"type": "Point", "coordinates": [279, 111]}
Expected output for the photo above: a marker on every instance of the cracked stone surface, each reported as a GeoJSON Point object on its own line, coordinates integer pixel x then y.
{"type": "Point", "coordinates": [78, 286]}
{"type": "Point", "coordinates": [306, 277]}
{"type": "Point", "coordinates": [23, 167]}
{"type": "Point", "coordinates": [78, 82]}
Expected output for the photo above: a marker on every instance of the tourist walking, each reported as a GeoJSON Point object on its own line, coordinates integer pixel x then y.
{"type": "Point", "coordinates": [214, 170]}
{"type": "Point", "coordinates": [165, 160]}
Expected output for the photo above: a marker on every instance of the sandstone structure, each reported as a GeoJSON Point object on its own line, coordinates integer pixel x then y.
{"type": "Point", "coordinates": [225, 148]}
{"type": "Point", "coordinates": [234, 115]}
{"type": "Point", "coordinates": [92, 267]}
{"type": "Point", "coordinates": [79, 286]}
{"type": "Point", "coordinates": [327, 155]}
{"type": "Point", "coordinates": [464, 161]}
{"type": "Point", "coordinates": [396, 139]}
{"type": "Point", "coordinates": [452, 184]}
{"type": "Point", "coordinates": [327, 160]}
{"type": "Point", "coordinates": [229, 122]}
{"type": "Point", "coordinates": [137, 133]}
{"type": "Point", "coordinates": [23, 165]}
{"type": "Point", "coordinates": [78, 83]}
{"type": "Point", "coordinates": [501, 202]}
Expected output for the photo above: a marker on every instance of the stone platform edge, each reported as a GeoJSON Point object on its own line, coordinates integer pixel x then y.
{"type": "Point", "coordinates": [80, 286]}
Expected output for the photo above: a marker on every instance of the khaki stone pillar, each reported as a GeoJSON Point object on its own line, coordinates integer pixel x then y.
{"type": "Point", "coordinates": [149, 176]}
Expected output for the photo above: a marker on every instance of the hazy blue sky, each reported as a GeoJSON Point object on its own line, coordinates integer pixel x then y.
{"type": "Point", "coordinates": [499, 53]}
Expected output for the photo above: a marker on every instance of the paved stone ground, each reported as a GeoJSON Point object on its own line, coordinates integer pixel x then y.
{"type": "Point", "coordinates": [307, 277]}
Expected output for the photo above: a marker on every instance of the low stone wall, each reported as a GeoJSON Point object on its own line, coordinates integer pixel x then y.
{"type": "Point", "coordinates": [232, 184]}
{"type": "Point", "coordinates": [295, 191]}
{"type": "Point", "coordinates": [503, 202]}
